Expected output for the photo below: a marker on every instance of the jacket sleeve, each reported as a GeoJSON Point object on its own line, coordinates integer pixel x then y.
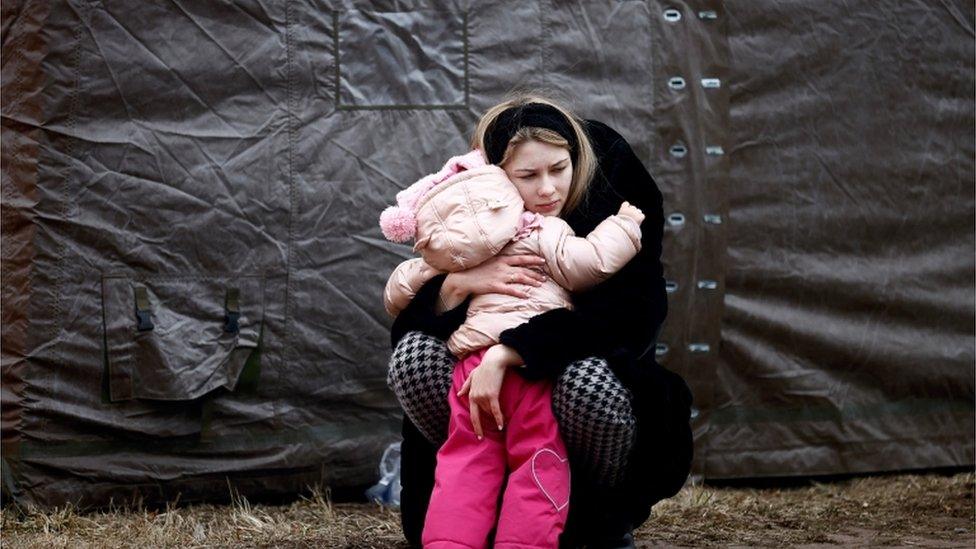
{"type": "Point", "coordinates": [577, 263]}
{"type": "Point", "coordinates": [421, 314]}
{"type": "Point", "coordinates": [619, 318]}
{"type": "Point", "coordinates": [404, 283]}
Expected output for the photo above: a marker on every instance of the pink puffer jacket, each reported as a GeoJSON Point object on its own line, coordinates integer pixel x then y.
{"type": "Point", "coordinates": [467, 219]}
{"type": "Point", "coordinates": [476, 214]}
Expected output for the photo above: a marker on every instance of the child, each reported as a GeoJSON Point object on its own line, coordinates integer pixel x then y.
{"type": "Point", "coordinates": [460, 217]}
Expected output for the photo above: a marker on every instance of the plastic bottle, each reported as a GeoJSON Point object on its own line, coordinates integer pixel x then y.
{"type": "Point", "coordinates": [387, 490]}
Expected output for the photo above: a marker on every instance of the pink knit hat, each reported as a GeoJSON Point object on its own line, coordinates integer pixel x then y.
{"type": "Point", "coordinates": [399, 223]}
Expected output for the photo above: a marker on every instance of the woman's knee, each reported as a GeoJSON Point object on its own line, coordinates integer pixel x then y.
{"type": "Point", "coordinates": [419, 362]}
{"type": "Point", "coordinates": [420, 377]}
{"type": "Point", "coordinates": [588, 390]}
{"type": "Point", "coordinates": [596, 419]}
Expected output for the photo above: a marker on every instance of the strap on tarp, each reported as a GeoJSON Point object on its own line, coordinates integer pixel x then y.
{"type": "Point", "coordinates": [142, 309]}
{"type": "Point", "coordinates": [232, 309]}
{"type": "Point", "coordinates": [248, 380]}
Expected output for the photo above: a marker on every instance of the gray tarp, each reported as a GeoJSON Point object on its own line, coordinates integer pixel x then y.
{"type": "Point", "coordinates": [193, 159]}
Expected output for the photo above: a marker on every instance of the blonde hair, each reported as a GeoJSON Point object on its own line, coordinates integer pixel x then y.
{"type": "Point", "coordinates": [583, 169]}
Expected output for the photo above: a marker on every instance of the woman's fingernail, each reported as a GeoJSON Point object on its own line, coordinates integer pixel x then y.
{"type": "Point", "coordinates": [480, 437]}
{"type": "Point", "coordinates": [499, 427]}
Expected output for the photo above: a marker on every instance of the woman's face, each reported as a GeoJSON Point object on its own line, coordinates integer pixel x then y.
{"type": "Point", "coordinates": [542, 173]}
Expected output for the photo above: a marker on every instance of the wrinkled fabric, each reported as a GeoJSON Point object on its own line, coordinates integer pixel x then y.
{"type": "Point", "coordinates": [815, 160]}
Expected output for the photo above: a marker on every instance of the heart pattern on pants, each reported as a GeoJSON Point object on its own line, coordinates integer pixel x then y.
{"type": "Point", "coordinates": [551, 474]}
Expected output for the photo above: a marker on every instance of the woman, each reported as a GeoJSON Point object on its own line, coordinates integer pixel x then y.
{"type": "Point", "coordinates": [623, 417]}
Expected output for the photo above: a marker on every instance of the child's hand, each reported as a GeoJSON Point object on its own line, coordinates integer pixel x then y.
{"type": "Point", "coordinates": [633, 212]}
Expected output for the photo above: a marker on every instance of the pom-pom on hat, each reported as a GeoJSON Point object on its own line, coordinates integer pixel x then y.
{"type": "Point", "coordinates": [399, 223]}
{"type": "Point", "coordinates": [459, 216]}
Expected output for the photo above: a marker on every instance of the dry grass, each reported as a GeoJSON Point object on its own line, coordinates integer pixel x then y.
{"type": "Point", "coordinates": [906, 510]}
{"type": "Point", "coordinates": [312, 521]}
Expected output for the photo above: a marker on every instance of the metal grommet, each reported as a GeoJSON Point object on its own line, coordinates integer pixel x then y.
{"type": "Point", "coordinates": [707, 284]}
{"type": "Point", "coordinates": [676, 83]}
{"type": "Point", "coordinates": [678, 150]}
{"type": "Point", "coordinates": [699, 347]}
{"type": "Point", "coordinates": [661, 349]}
{"type": "Point", "coordinates": [711, 83]}
{"type": "Point", "coordinates": [714, 150]}
{"type": "Point", "coordinates": [672, 15]}
{"type": "Point", "coordinates": [671, 286]}
{"type": "Point", "coordinates": [714, 219]}
{"type": "Point", "coordinates": [708, 14]}
{"type": "Point", "coordinates": [676, 219]}
{"type": "Point", "coordinates": [694, 412]}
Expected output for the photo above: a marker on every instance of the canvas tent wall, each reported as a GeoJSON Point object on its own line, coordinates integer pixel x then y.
{"type": "Point", "coordinates": [195, 165]}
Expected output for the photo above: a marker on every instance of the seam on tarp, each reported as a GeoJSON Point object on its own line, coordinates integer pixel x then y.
{"type": "Point", "coordinates": [289, 131]}
{"type": "Point", "coordinates": [178, 276]}
{"type": "Point", "coordinates": [543, 38]}
{"type": "Point", "coordinates": [57, 353]}
{"type": "Point", "coordinates": [718, 168]}
{"type": "Point", "coordinates": [829, 443]}
{"type": "Point", "coordinates": [404, 107]}
{"type": "Point", "coordinates": [25, 149]}
{"type": "Point", "coordinates": [194, 446]}
{"type": "Point", "coordinates": [667, 106]}
{"type": "Point", "coordinates": [654, 140]}
{"type": "Point", "coordinates": [335, 54]}
{"type": "Point", "coordinates": [824, 412]}
{"type": "Point", "coordinates": [830, 459]}
{"type": "Point", "coordinates": [467, 65]}
{"type": "Point", "coordinates": [19, 44]}
{"type": "Point", "coordinates": [690, 50]}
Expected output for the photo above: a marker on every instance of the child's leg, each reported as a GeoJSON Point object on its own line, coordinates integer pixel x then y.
{"type": "Point", "coordinates": [468, 478]}
{"type": "Point", "coordinates": [536, 500]}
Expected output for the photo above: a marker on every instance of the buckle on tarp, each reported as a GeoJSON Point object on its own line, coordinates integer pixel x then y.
{"type": "Point", "coordinates": [144, 323]}
{"type": "Point", "coordinates": [232, 310]}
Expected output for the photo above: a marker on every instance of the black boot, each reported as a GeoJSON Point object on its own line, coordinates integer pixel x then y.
{"type": "Point", "coordinates": [624, 540]}
{"type": "Point", "coordinates": [610, 524]}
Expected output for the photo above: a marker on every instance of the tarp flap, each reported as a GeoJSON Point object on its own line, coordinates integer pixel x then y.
{"type": "Point", "coordinates": [193, 342]}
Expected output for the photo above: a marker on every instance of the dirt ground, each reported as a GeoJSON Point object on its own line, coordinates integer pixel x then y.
{"type": "Point", "coordinates": [905, 510]}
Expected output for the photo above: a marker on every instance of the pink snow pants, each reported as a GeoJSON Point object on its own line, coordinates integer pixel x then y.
{"type": "Point", "coordinates": [471, 473]}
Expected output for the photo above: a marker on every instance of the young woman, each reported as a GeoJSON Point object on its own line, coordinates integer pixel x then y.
{"type": "Point", "coordinates": [462, 215]}
{"type": "Point", "coordinates": [624, 419]}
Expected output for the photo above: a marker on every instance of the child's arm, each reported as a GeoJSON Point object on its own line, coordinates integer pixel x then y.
{"type": "Point", "coordinates": [404, 284]}
{"type": "Point", "coordinates": [578, 263]}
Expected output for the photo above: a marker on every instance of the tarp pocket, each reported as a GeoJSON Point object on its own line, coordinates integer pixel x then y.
{"type": "Point", "coordinates": [178, 338]}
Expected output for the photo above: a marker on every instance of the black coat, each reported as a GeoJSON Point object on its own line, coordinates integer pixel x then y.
{"type": "Point", "coordinates": [618, 320]}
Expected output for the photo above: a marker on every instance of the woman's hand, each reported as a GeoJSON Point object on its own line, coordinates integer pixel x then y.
{"type": "Point", "coordinates": [499, 275]}
{"type": "Point", "coordinates": [484, 385]}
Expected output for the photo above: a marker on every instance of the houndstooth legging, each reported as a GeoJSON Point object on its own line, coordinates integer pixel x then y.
{"type": "Point", "coordinates": [591, 406]}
